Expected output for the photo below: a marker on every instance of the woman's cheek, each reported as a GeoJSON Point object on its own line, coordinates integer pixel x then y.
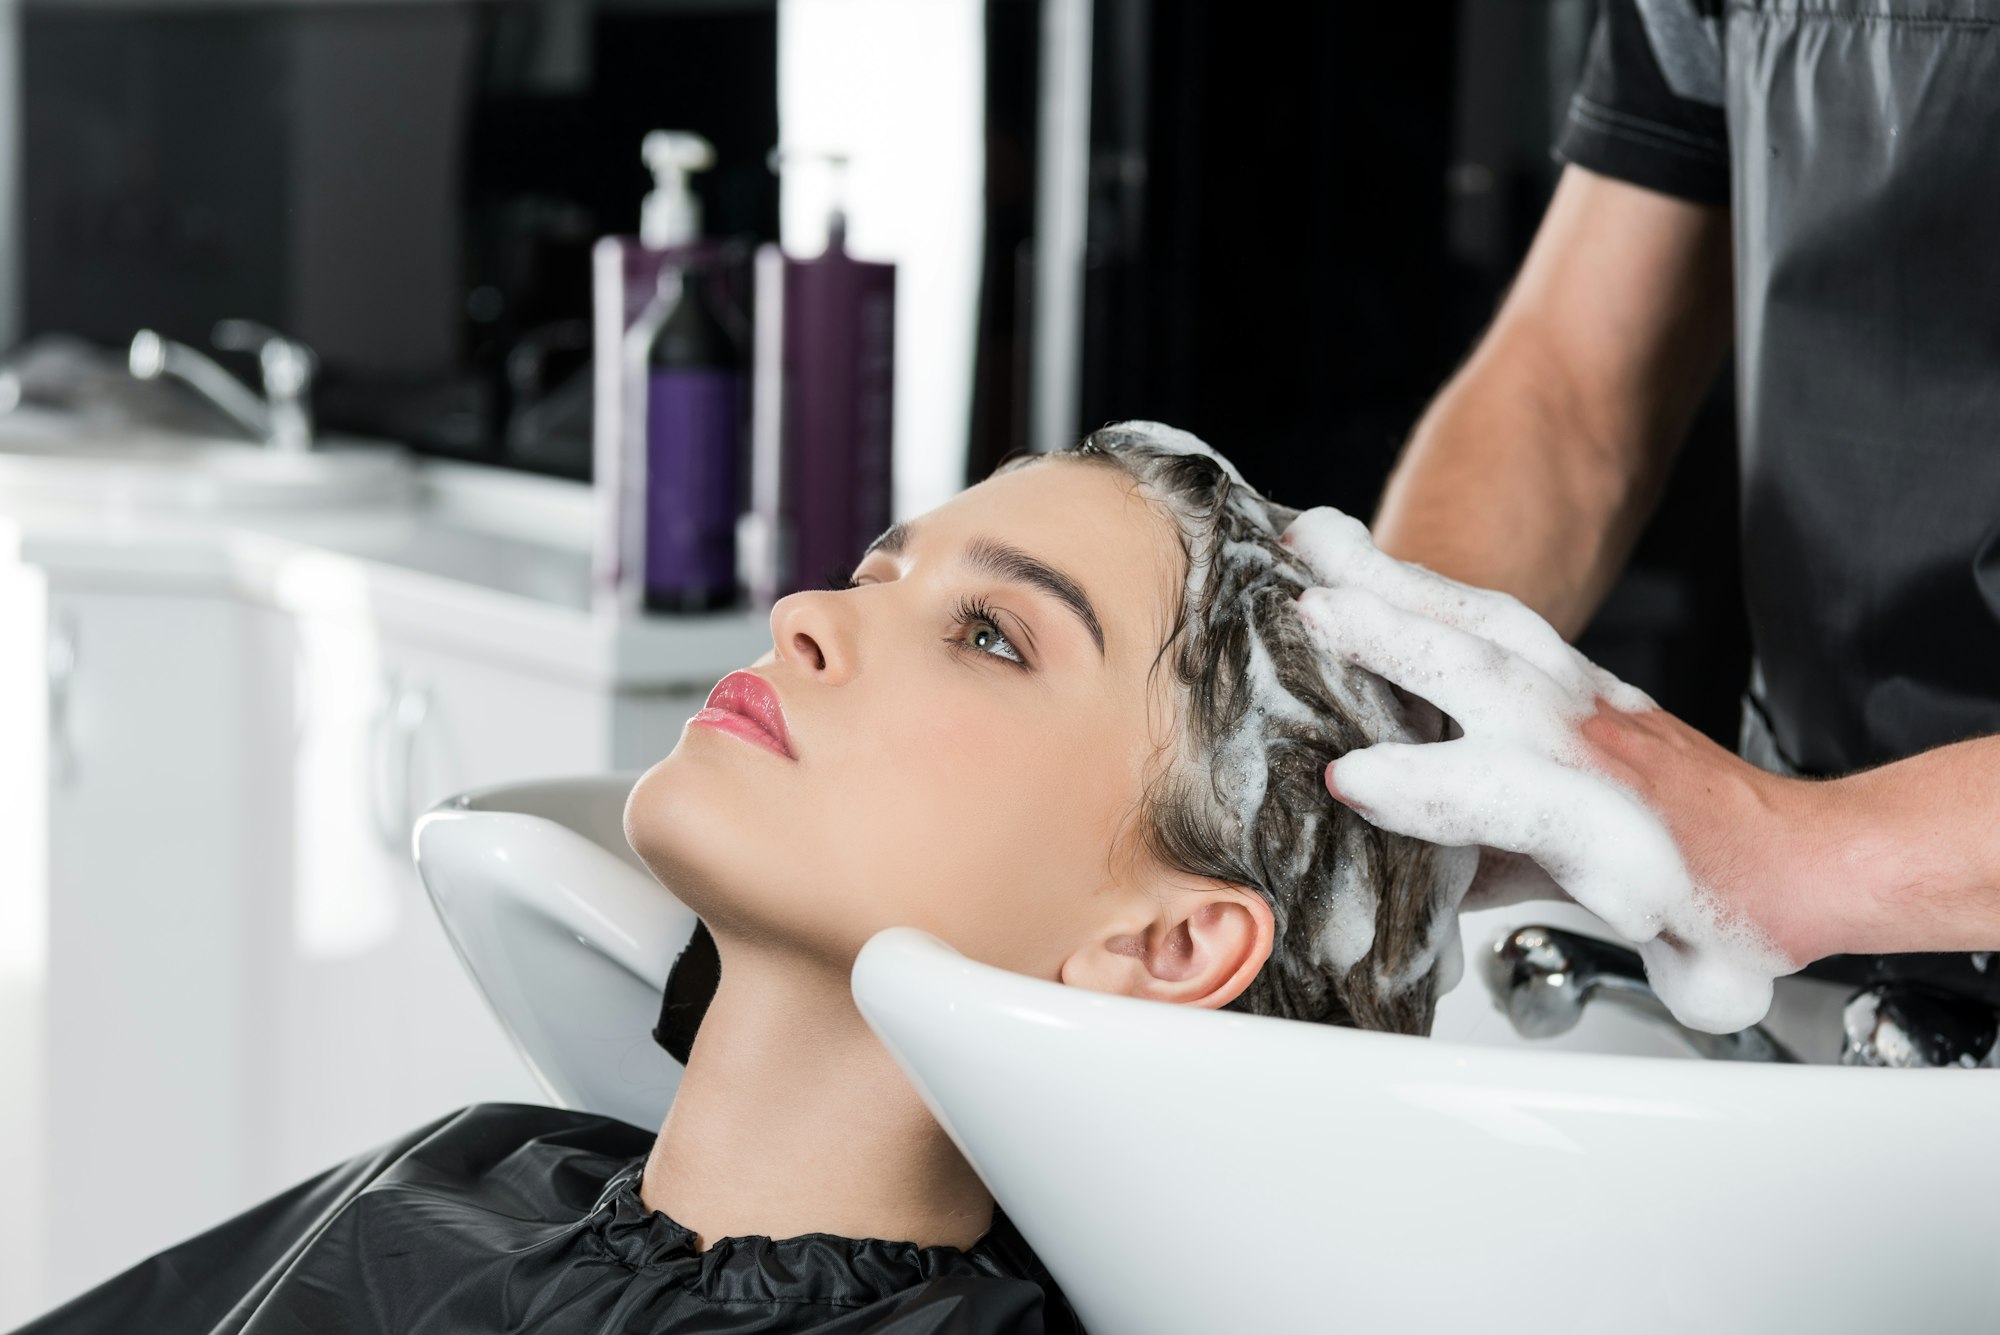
{"type": "Point", "coordinates": [967, 739]}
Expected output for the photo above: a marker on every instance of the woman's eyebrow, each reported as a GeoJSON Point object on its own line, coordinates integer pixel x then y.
{"type": "Point", "coordinates": [891, 543]}
{"type": "Point", "coordinates": [1015, 566]}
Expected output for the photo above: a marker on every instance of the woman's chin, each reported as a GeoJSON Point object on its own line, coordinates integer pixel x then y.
{"type": "Point", "coordinates": [719, 843]}
{"type": "Point", "coordinates": [707, 771]}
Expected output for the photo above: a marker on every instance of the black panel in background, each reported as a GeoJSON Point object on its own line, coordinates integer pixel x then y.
{"type": "Point", "coordinates": [1000, 365]}
{"type": "Point", "coordinates": [1267, 261]}
{"type": "Point", "coordinates": [412, 187]}
{"type": "Point", "coordinates": [1301, 219]}
{"type": "Point", "coordinates": [154, 156]}
{"type": "Point", "coordinates": [553, 163]}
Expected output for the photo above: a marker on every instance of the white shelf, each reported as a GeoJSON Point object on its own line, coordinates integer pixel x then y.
{"type": "Point", "coordinates": [486, 562]}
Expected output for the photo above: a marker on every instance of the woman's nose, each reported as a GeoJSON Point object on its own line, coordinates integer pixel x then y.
{"type": "Point", "coordinates": [814, 631]}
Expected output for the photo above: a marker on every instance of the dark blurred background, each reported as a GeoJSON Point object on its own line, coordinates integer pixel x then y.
{"type": "Point", "coordinates": [1297, 229]}
{"type": "Point", "coordinates": [411, 189]}
{"type": "Point", "coordinates": [1295, 224]}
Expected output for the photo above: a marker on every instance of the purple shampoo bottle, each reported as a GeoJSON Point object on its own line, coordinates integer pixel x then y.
{"type": "Point", "coordinates": [826, 331]}
{"type": "Point", "coordinates": [669, 399]}
{"type": "Point", "coordinates": [694, 390]}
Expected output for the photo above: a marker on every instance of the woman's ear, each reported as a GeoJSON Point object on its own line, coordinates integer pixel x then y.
{"type": "Point", "coordinates": [1192, 946]}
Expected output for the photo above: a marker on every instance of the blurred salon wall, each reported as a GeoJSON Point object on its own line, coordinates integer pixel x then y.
{"type": "Point", "coordinates": [10, 173]}
{"type": "Point", "coordinates": [1280, 226]}
{"type": "Point", "coordinates": [411, 188]}
{"type": "Point", "coordinates": [1291, 224]}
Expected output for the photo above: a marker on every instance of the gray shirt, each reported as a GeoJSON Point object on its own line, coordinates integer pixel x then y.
{"type": "Point", "coordinates": [1857, 145]}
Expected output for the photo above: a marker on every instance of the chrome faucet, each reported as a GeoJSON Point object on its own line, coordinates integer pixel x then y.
{"type": "Point", "coordinates": [1904, 1024]}
{"type": "Point", "coordinates": [282, 418]}
{"type": "Point", "coordinates": [1541, 978]}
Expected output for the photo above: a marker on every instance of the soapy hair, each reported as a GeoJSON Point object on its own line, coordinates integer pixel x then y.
{"type": "Point", "coordinates": [1366, 921]}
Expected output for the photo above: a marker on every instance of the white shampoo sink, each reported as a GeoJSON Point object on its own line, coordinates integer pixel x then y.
{"type": "Point", "coordinates": [1187, 1172]}
{"type": "Point", "coordinates": [50, 462]}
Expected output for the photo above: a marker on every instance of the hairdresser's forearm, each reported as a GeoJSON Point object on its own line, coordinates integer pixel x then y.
{"type": "Point", "coordinates": [1503, 485]}
{"type": "Point", "coordinates": [1887, 861]}
{"type": "Point", "coordinates": [1539, 463]}
{"type": "Point", "coordinates": [1913, 851]}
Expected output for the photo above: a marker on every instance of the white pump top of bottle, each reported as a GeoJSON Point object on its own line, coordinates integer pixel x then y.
{"type": "Point", "coordinates": [833, 164]}
{"type": "Point", "coordinates": [671, 215]}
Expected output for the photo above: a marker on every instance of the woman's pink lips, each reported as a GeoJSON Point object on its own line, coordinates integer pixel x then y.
{"type": "Point", "coordinates": [744, 705]}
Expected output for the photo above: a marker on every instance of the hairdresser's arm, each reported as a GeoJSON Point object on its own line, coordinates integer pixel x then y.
{"type": "Point", "coordinates": [1901, 858]}
{"type": "Point", "coordinates": [1538, 464]}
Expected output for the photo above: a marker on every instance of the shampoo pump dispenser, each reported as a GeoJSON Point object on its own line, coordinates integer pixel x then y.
{"type": "Point", "coordinates": [670, 215]}
{"type": "Point", "coordinates": [669, 398]}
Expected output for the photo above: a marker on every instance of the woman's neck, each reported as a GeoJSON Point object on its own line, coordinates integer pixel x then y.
{"type": "Point", "coordinates": [792, 1119]}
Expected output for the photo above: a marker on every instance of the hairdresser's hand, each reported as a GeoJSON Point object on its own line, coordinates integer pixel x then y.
{"type": "Point", "coordinates": [1571, 781]}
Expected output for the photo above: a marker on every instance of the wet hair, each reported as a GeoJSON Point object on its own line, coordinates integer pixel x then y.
{"type": "Point", "coordinates": [1366, 931]}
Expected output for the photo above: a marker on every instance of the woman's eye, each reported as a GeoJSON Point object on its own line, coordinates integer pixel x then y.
{"type": "Point", "coordinates": [983, 636]}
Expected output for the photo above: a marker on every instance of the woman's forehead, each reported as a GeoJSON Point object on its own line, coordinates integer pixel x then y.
{"type": "Point", "coordinates": [1092, 521]}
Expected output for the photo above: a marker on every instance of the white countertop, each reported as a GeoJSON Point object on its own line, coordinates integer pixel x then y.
{"type": "Point", "coordinates": [483, 561]}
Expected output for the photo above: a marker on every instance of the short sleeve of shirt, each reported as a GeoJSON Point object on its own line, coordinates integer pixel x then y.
{"type": "Point", "coordinates": [1649, 107]}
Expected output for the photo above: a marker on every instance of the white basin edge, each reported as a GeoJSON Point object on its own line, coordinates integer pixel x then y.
{"type": "Point", "coordinates": [1190, 1171]}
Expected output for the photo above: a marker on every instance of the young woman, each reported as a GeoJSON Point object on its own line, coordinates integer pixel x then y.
{"type": "Point", "coordinates": [1071, 723]}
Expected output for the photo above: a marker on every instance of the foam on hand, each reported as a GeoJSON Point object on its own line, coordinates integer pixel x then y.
{"type": "Point", "coordinates": [1520, 778]}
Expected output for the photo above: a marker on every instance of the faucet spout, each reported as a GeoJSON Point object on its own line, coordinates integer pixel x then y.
{"type": "Point", "coordinates": [282, 418]}
{"type": "Point", "coordinates": [1541, 978]}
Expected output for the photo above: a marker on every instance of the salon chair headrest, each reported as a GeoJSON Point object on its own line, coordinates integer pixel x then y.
{"type": "Point", "coordinates": [567, 935]}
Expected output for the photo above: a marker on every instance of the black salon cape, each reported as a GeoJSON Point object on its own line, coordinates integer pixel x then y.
{"type": "Point", "coordinates": [512, 1218]}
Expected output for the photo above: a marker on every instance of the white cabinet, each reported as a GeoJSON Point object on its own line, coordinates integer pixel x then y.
{"type": "Point", "coordinates": [141, 881]}
{"type": "Point", "coordinates": [384, 1028]}
{"type": "Point", "coordinates": [218, 971]}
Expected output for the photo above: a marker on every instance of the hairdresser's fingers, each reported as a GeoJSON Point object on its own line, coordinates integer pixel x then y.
{"type": "Point", "coordinates": [1593, 839]}
{"type": "Point", "coordinates": [1337, 549]}
{"type": "Point", "coordinates": [1711, 990]}
{"type": "Point", "coordinates": [1488, 690]}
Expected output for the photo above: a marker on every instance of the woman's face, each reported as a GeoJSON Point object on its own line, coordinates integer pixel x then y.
{"type": "Point", "coordinates": [970, 728]}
